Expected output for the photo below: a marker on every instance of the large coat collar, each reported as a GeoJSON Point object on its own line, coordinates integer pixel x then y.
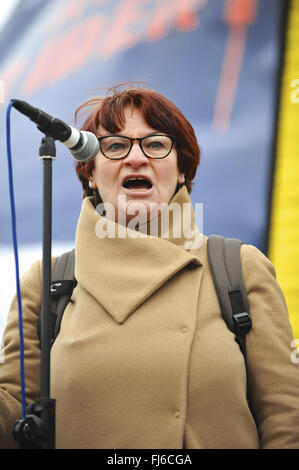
{"type": "Point", "coordinates": [122, 272]}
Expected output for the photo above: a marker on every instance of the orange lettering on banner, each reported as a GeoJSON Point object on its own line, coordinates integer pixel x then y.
{"type": "Point", "coordinates": [10, 74]}
{"type": "Point", "coordinates": [181, 12]}
{"type": "Point", "coordinates": [159, 25]}
{"type": "Point", "coordinates": [42, 68]}
{"type": "Point", "coordinates": [240, 12]}
{"type": "Point", "coordinates": [67, 13]}
{"type": "Point", "coordinates": [76, 47]}
{"type": "Point", "coordinates": [64, 55]}
{"type": "Point", "coordinates": [186, 16]}
{"type": "Point", "coordinates": [120, 36]}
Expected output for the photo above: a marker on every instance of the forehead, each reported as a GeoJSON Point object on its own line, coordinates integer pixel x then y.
{"type": "Point", "coordinates": [135, 124]}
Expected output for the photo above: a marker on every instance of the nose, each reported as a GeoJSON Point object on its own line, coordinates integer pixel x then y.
{"type": "Point", "coordinates": [136, 157]}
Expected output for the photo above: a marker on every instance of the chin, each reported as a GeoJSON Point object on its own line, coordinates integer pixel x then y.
{"type": "Point", "coordinates": [140, 209]}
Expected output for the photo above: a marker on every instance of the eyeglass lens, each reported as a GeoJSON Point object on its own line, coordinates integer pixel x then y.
{"type": "Point", "coordinates": [156, 146]}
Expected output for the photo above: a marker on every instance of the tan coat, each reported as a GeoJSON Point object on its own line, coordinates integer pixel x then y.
{"type": "Point", "coordinates": [144, 358]}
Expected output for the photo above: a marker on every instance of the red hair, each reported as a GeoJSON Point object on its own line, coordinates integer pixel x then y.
{"type": "Point", "coordinates": [159, 113]}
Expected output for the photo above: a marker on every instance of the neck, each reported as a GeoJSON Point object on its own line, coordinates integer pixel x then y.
{"type": "Point", "coordinates": [146, 221]}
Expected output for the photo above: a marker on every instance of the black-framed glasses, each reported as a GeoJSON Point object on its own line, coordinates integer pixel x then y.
{"type": "Point", "coordinates": [116, 147]}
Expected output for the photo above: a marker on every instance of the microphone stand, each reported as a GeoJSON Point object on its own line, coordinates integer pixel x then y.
{"type": "Point", "coordinates": [37, 429]}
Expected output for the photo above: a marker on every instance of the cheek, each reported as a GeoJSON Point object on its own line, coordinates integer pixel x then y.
{"type": "Point", "coordinates": [104, 173]}
{"type": "Point", "coordinates": [168, 174]}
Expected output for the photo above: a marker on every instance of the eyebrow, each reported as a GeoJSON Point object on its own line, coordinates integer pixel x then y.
{"type": "Point", "coordinates": [122, 135]}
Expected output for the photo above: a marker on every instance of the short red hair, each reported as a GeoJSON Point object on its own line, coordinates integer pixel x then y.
{"type": "Point", "coordinates": [159, 113]}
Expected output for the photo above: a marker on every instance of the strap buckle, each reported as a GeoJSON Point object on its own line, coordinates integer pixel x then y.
{"type": "Point", "coordinates": [62, 287]}
{"type": "Point", "coordinates": [242, 322]}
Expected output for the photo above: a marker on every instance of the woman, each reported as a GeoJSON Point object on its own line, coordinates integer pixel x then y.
{"type": "Point", "coordinates": [143, 358]}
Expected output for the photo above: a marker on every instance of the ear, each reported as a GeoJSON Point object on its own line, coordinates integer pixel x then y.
{"type": "Point", "coordinates": [181, 178]}
{"type": "Point", "coordinates": [92, 184]}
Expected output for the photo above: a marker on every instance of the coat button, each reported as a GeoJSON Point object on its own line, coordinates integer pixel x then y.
{"type": "Point", "coordinates": [184, 330]}
{"type": "Point", "coordinates": [177, 414]}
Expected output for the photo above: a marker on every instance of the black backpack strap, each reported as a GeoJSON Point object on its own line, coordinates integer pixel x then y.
{"type": "Point", "coordinates": [225, 264]}
{"type": "Point", "coordinates": [62, 286]}
{"type": "Point", "coordinates": [224, 259]}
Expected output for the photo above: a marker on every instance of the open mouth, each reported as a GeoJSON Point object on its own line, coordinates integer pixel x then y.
{"type": "Point", "coordinates": [137, 183]}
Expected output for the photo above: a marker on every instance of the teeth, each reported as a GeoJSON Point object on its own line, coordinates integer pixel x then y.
{"type": "Point", "coordinates": [136, 178]}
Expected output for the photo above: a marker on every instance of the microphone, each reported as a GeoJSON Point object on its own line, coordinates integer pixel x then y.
{"type": "Point", "coordinates": [83, 145]}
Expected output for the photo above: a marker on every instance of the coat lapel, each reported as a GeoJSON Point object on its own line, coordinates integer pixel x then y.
{"type": "Point", "coordinates": [122, 272]}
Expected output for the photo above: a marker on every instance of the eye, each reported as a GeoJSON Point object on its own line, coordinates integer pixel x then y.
{"type": "Point", "coordinates": [116, 146]}
{"type": "Point", "coordinates": [154, 143]}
